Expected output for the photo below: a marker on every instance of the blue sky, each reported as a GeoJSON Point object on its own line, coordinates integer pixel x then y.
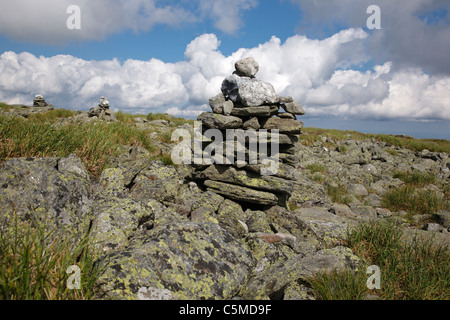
{"type": "Point", "coordinates": [171, 56]}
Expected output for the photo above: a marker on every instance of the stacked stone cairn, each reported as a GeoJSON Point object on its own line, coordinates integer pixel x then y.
{"type": "Point", "coordinates": [102, 111]}
{"type": "Point", "coordinates": [253, 108]}
{"type": "Point", "coordinates": [39, 101]}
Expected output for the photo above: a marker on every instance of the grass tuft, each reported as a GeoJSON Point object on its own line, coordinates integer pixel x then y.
{"type": "Point", "coordinates": [34, 263]}
{"type": "Point", "coordinates": [412, 268]}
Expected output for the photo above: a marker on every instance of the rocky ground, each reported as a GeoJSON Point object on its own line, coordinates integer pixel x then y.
{"type": "Point", "coordinates": [165, 237]}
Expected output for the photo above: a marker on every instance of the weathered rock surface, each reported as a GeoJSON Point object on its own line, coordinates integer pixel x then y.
{"type": "Point", "coordinates": [247, 67]}
{"type": "Point", "coordinates": [218, 121]}
{"type": "Point", "coordinates": [36, 188]}
{"type": "Point", "coordinates": [189, 260]}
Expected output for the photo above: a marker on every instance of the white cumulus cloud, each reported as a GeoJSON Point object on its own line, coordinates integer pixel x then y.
{"type": "Point", "coordinates": [323, 75]}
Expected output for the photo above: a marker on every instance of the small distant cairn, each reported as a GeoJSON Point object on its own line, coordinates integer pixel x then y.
{"type": "Point", "coordinates": [102, 111]}
{"type": "Point", "coordinates": [40, 102]}
{"type": "Point", "coordinates": [253, 108]}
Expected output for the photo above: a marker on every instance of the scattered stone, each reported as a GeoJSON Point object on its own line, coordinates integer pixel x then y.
{"type": "Point", "coordinates": [443, 217]}
{"type": "Point", "coordinates": [436, 227]}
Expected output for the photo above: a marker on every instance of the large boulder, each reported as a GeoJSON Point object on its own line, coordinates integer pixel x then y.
{"type": "Point", "coordinates": [272, 281]}
{"type": "Point", "coordinates": [186, 259]}
{"type": "Point", "coordinates": [249, 92]}
{"type": "Point", "coordinates": [55, 191]}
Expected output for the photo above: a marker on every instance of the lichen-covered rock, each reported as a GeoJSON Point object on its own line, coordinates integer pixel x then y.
{"type": "Point", "coordinates": [330, 228]}
{"type": "Point", "coordinates": [309, 193]}
{"type": "Point", "coordinates": [189, 260]}
{"type": "Point", "coordinates": [272, 281]}
{"type": "Point", "coordinates": [158, 182]}
{"type": "Point", "coordinates": [246, 179]}
{"type": "Point", "coordinates": [282, 220]}
{"type": "Point", "coordinates": [38, 188]}
{"type": "Point", "coordinates": [288, 126]}
{"type": "Point", "coordinates": [242, 194]}
{"type": "Point", "coordinates": [231, 217]}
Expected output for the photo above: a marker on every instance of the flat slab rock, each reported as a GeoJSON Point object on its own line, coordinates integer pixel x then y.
{"type": "Point", "coordinates": [218, 121]}
{"type": "Point", "coordinates": [242, 194]}
{"type": "Point", "coordinates": [246, 179]}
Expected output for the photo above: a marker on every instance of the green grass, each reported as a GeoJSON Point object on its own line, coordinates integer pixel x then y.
{"type": "Point", "coordinates": [34, 263]}
{"type": "Point", "coordinates": [93, 143]}
{"type": "Point", "coordinates": [413, 200]}
{"type": "Point", "coordinates": [315, 167]}
{"type": "Point", "coordinates": [339, 285]}
{"type": "Point", "coordinates": [415, 269]}
{"type": "Point", "coordinates": [338, 194]}
{"type": "Point", "coordinates": [415, 178]}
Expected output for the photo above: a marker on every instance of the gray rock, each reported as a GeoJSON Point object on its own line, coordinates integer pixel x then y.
{"type": "Point", "coordinates": [73, 164]}
{"type": "Point", "coordinates": [228, 107]}
{"type": "Point", "coordinates": [230, 87]}
{"type": "Point", "coordinates": [246, 179]}
{"type": "Point", "coordinates": [40, 102]}
{"type": "Point", "coordinates": [217, 103]}
{"type": "Point", "coordinates": [293, 108]}
{"type": "Point", "coordinates": [252, 123]}
{"type": "Point", "coordinates": [330, 228]}
{"type": "Point", "coordinates": [241, 194]}
{"type": "Point", "coordinates": [260, 111]}
{"type": "Point", "coordinates": [218, 121]}
{"type": "Point", "coordinates": [192, 261]}
{"type": "Point", "coordinates": [286, 115]}
{"type": "Point", "coordinates": [365, 212]}
{"type": "Point", "coordinates": [257, 93]}
{"type": "Point", "coordinates": [230, 217]}
{"type": "Point", "coordinates": [343, 210]}
{"type": "Point", "coordinates": [35, 188]}
{"type": "Point", "coordinates": [443, 217]}
{"type": "Point", "coordinates": [436, 227]}
{"type": "Point", "coordinates": [247, 67]}
{"type": "Point", "coordinates": [357, 189]}
{"type": "Point", "coordinates": [272, 281]}
{"type": "Point", "coordinates": [249, 92]}
{"type": "Point", "coordinates": [287, 126]}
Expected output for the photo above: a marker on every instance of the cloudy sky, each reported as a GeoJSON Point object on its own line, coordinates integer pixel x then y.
{"type": "Point", "coordinates": [171, 56]}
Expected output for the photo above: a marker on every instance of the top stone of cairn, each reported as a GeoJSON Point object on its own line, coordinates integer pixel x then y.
{"type": "Point", "coordinates": [247, 67]}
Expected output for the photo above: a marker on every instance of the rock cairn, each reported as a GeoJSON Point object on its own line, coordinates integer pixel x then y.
{"type": "Point", "coordinates": [249, 104]}
{"type": "Point", "coordinates": [102, 111]}
{"type": "Point", "coordinates": [39, 101]}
